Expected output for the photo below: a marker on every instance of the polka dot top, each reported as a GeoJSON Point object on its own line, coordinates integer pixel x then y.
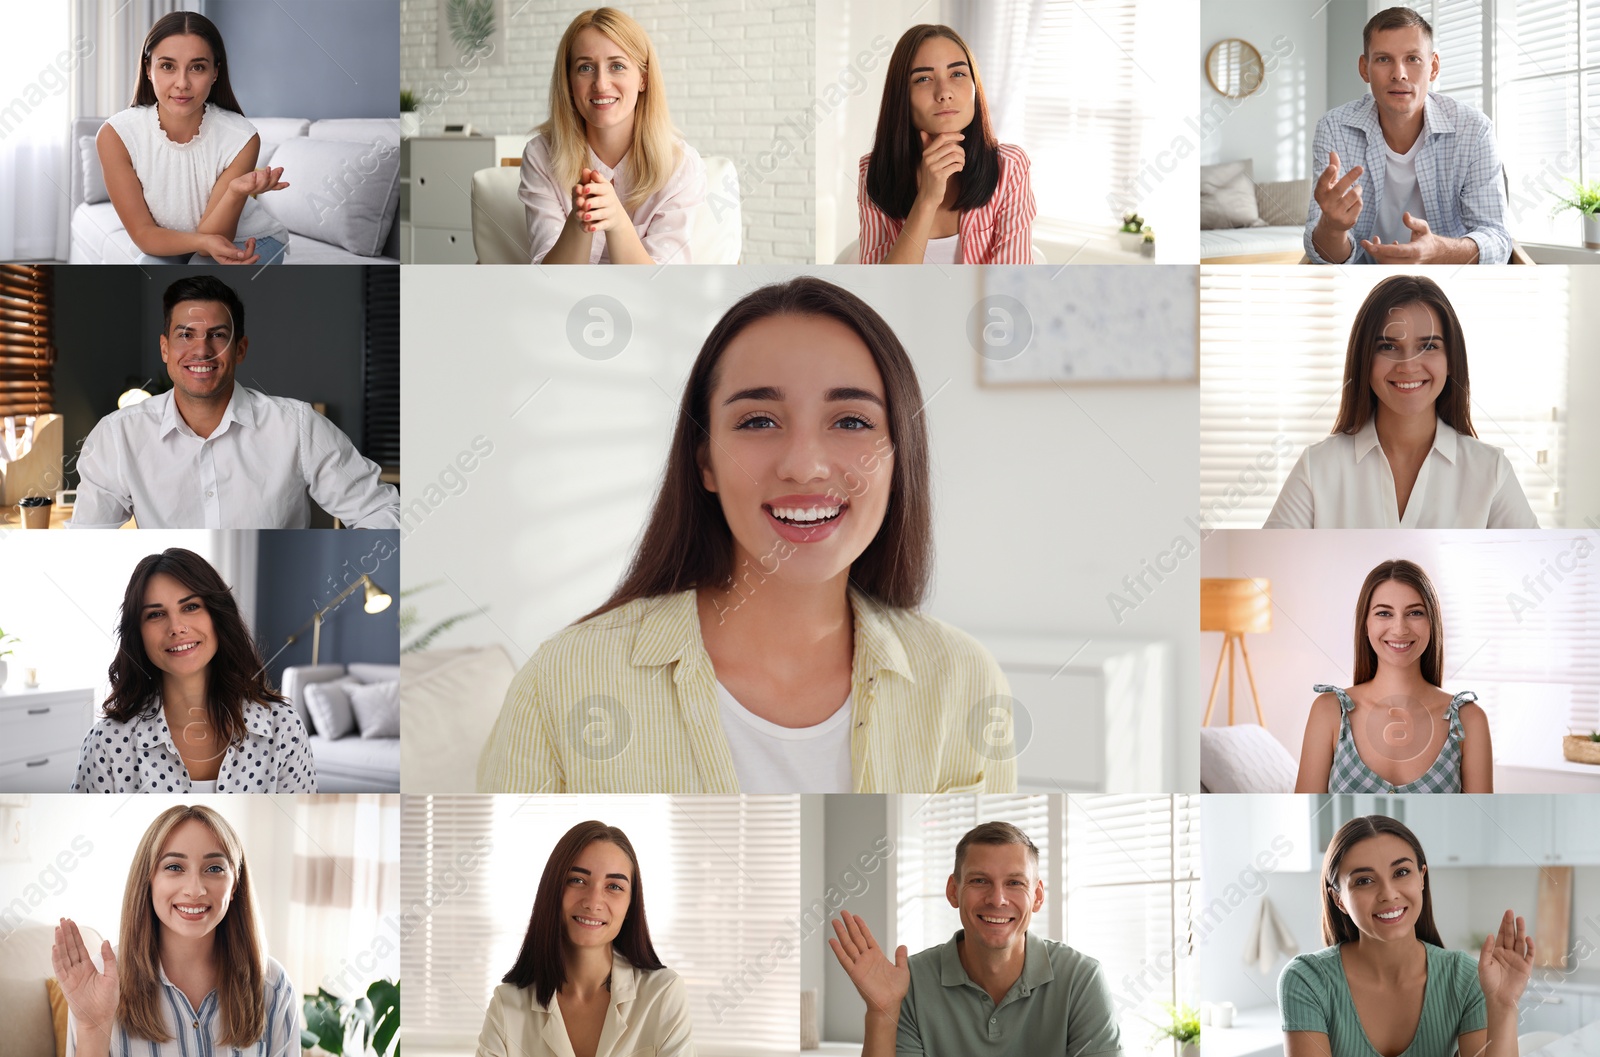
{"type": "Point", "coordinates": [139, 756]}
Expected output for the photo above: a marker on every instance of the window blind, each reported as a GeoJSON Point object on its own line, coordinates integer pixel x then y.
{"type": "Point", "coordinates": [380, 367]}
{"type": "Point", "coordinates": [27, 340]}
{"type": "Point", "coordinates": [1132, 875]}
{"type": "Point", "coordinates": [930, 828]}
{"type": "Point", "coordinates": [1273, 349]}
{"type": "Point", "coordinates": [1522, 630]}
{"type": "Point", "coordinates": [721, 876]}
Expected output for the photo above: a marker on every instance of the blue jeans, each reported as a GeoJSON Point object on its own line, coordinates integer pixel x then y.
{"type": "Point", "coordinates": [271, 251]}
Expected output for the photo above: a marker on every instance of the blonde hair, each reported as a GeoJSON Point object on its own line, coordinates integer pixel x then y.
{"type": "Point", "coordinates": [652, 156]}
{"type": "Point", "coordinates": [240, 962]}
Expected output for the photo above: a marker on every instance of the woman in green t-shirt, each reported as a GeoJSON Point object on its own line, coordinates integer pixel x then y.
{"type": "Point", "coordinates": [1386, 985]}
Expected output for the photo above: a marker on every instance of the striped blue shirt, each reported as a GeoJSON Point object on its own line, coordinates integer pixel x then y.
{"type": "Point", "coordinates": [1458, 173]}
{"type": "Point", "coordinates": [195, 1031]}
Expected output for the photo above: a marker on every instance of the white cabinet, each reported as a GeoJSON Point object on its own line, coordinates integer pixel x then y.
{"type": "Point", "coordinates": [1556, 1009]}
{"type": "Point", "coordinates": [436, 196]}
{"type": "Point", "coordinates": [41, 732]}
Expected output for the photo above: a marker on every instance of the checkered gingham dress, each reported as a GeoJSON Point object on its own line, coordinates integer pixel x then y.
{"type": "Point", "coordinates": [1352, 775]}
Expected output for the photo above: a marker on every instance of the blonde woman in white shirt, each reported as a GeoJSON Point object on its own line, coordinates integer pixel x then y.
{"type": "Point", "coordinates": [607, 180]}
{"type": "Point", "coordinates": [180, 162]}
{"type": "Point", "coordinates": [1403, 453]}
{"type": "Point", "coordinates": [587, 981]}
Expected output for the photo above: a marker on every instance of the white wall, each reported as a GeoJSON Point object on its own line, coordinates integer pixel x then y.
{"type": "Point", "coordinates": [738, 78]}
{"type": "Point", "coordinates": [1581, 504]}
{"type": "Point", "coordinates": [1274, 125]}
{"type": "Point", "coordinates": [1044, 498]}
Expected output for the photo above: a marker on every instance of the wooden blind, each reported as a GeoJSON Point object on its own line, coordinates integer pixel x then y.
{"type": "Point", "coordinates": [380, 367]}
{"type": "Point", "coordinates": [27, 340]}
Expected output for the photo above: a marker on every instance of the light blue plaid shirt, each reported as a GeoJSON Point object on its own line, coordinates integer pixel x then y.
{"type": "Point", "coordinates": [1458, 172]}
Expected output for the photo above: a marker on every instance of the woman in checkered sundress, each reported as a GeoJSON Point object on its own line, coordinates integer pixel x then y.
{"type": "Point", "coordinates": [1380, 735]}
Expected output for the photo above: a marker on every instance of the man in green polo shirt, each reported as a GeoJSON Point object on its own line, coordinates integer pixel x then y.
{"type": "Point", "coordinates": [993, 988]}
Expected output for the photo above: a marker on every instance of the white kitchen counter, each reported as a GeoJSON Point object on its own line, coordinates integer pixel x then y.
{"type": "Point", "coordinates": [1585, 1042]}
{"type": "Point", "coordinates": [1256, 1032]}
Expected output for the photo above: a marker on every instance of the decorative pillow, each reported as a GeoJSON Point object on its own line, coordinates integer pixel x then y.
{"type": "Point", "coordinates": [58, 1013]}
{"type": "Point", "coordinates": [1245, 758]}
{"type": "Point", "coordinates": [451, 700]}
{"type": "Point", "coordinates": [329, 705]}
{"type": "Point", "coordinates": [1284, 203]}
{"type": "Point", "coordinates": [1228, 196]}
{"type": "Point", "coordinates": [94, 178]}
{"type": "Point", "coordinates": [339, 192]}
{"type": "Point", "coordinates": [377, 708]}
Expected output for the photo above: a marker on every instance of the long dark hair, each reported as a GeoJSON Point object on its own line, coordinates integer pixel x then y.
{"type": "Point", "coordinates": [181, 23]}
{"type": "Point", "coordinates": [1337, 927]}
{"type": "Point", "coordinates": [1410, 574]}
{"type": "Point", "coordinates": [897, 149]}
{"type": "Point", "coordinates": [540, 963]}
{"type": "Point", "coordinates": [687, 542]}
{"type": "Point", "coordinates": [236, 674]}
{"type": "Point", "coordinates": [1358, 403]}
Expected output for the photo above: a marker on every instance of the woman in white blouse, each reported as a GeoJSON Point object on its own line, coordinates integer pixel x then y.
{"type": "Point", "coordinates": [607, 180]}
{"type": "Point", "coordinates": [190, 709]}
{"type": "Point", "coordinates": [189, 975]}
{"type": "Point", "coordinates": [1403, 453]}
{"type": "Point", "coordinates": [587, 981]}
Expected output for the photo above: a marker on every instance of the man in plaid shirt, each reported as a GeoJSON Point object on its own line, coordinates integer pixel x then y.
{"type": "Point", "coordinates": [1422, 183]}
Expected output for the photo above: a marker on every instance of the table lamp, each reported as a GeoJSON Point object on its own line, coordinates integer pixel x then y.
{"type": "Point", "coordinates": [1235, 607]}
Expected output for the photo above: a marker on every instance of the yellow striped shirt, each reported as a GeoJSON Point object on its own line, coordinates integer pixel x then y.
{"type": "Point", "coordinates": [626, 703]}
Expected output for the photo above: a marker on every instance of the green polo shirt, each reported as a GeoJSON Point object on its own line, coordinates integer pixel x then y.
{"type": "Point", "coordinates": [1060, 1005]}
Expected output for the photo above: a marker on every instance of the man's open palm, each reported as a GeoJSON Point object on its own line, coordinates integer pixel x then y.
{"type": "Point", "coordinates": [882, 983]}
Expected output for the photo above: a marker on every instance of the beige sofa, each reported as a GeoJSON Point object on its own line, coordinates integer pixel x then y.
{"type": "Point", "coordinates": [24, 967]}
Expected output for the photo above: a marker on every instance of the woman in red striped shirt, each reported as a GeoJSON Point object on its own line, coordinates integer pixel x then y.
{"type": "Point", "coordinates": [938, 187]}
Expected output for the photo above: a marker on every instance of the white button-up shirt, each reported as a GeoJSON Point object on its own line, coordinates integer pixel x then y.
{"type": "Point", "coordinates": [254, 471]}
{"type": "Point", "coordinates": [648, 1013]}
{"type": "Point", "coordinates": [196, 1031]}
{"type": "Point", "coordinates": [139, 756]}
{"type": "Point", "coordinates": [664, 221]}
{"type": "Point", "coordinates": [1346, 482]}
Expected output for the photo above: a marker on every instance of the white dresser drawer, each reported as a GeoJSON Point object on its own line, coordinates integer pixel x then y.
{"type": "Point", "coordinates": [36, 724]}
{"type": "Point", "coordinates": [50, 773]}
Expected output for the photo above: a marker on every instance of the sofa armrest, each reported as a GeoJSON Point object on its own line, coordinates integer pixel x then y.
{"type": "Point", "coordinates": [295, 680]}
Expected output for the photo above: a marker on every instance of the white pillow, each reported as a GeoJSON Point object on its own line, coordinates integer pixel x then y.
{"type": "Point", "coordinates": [329, 705]}
{"type": "Point", "coordinates": [1244, 758]}
{"type": "Point", "coordinates": [377, 708]}
{"type": "Point", "coordinates": [452, 698]}
{"type": "Point", "coordinates": [339, 192]}
{"type": "Point", "coordinates": [94, 178]}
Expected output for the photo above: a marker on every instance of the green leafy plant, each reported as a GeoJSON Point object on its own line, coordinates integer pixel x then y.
{"type": "Point", "coordinates": [1182, 1024]}
{"type": "Point", "coordinates": [1585, 198]}
{"type": "Point", "coordinates": [372, 1019]}
{"type": "Point", "coordinates": [1132, 223]}
{"type": "Point", "coordinates": [408, 101]}
{"type": "Point", "coordinates": [410, 618]}
{"type": "Point", "coordinates": [4, 638]}
{"type": "Point", "coordinates": [471, 25]}
{"type": "Point", "coordinates": [1150, 236]}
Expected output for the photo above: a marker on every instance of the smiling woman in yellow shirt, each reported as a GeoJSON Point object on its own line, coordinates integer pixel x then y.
{"type": "Point", "coordinates": [766, 636]}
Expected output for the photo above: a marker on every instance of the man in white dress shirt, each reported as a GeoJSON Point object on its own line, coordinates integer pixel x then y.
{"type": "Point", "coordinates": [211, 453]}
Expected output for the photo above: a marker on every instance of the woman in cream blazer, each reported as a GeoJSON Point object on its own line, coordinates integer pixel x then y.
{"type": "Point", "coordinates": [587, 982]}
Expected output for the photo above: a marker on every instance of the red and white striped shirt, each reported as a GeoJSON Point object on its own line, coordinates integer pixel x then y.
{"type": "Point", "coordinates": [1000, 232]}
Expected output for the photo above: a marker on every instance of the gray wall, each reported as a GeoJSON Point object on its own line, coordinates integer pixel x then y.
{"type": "Point", "coordinates": [853, 823]}
{"type": "Point", "coordinates": [1346, 18]}
{"type": "Point", "coordinates": [98, 339]}
{"type": "Point", "coordinates": [300, 570]}
{"type": "Point", "coordinates": [312, 58]}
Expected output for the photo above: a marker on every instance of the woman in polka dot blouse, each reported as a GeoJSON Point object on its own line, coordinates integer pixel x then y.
{"type": "Point", "coordinates": [190, 709]}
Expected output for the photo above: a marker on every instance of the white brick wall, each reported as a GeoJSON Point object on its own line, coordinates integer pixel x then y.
{"type": "Point", "coordinates": [739, 76]}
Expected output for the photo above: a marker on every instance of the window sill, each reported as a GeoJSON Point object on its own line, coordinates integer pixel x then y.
{"type": "Point", "coordinates": [1550, 253]}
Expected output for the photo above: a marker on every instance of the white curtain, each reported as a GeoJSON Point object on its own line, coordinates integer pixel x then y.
{"type": "Point", "coordinates": [104, 81]}
{"type": "Point", "coordinates": [1001, 34]}
{"type": "Point", "coordinates": [344, 897]}
{"type": "Point", "coordinates": [33, 123]}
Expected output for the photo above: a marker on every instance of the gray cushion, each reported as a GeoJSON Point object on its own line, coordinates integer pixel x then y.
{"type": "Point", "coordinates": [329, 705]}
{"type": "Point", "coordinates": [1228, 196]}
{"type": "Point", "coordinates": [339, 192]}
{"type": "Point", "coordinates": [94, 178]}
{"type": "Point", "coordinates": [1284, 203]}
{"type": "Point", "coordinates": [377, 709]}
{"type": "Point", "coordinates": [275, 131]}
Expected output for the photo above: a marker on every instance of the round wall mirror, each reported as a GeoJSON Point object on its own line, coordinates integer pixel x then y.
{"type": "Point", "coordinates": [1234, 68]}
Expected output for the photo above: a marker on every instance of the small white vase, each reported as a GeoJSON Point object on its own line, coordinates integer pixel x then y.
{"type": "Point", "coordinates": [1190, 1049]}
{"type": "Point", "coordinates": [410, 124]}
{"type": "Point", "coordinates": [2, 673]}
{"type": "Point", "coordinates": [1591, 230]}
{"type": "Point", "coordinates": [1130, 240]}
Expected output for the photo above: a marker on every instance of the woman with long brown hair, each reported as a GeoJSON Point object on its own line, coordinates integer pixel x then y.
{"type": "Point", "coordinates": [189, 975]}
{"type": "Point", "coordinates": [1385, 984]}
{"type": "Point", "coordinates": [1396, 730]}
{"type": "Point", "coordinates": [587, 973]}
{"type": "Point", "coordinates": [191, 710]}
{"type": "Point", "coordinates": [1403, 453]}
{"type": "Point", "coordinates": [180, 162]}
{"type": "Point", "coordinates": [938, 186]}
{"type": "Point", "coordinates": [766, 636]}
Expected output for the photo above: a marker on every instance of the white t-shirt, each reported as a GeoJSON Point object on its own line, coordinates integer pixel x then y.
{"type": "Point", "coordinates": [1401, 194]}
{"type": "Point", "coordinates": [178, 177]}
{"type": "Point", "coordinates": [202, 787]}
{"type": "Point", "coordinates": [771, 759]}
{"type": "Point", "coordinates": [942, 251]}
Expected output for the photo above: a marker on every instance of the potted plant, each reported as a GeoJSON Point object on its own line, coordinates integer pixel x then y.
{"type": "Point", "coordinates": [1131, 232]}
{"type": "Point", "coordinates": [410, 619]}
{"type": "Point", "coordinates": [1579, 748]}
{"type": "Point", "coordinates": [410, 122]}
{"type": "Point", "coordinates": [1181, 1025]}
{"type": "Point", "coordinates": [1585, 198]}
{"type": "Point", "coordinates": [4, 653]}
{"type": "Point", "coordinates": [361, 1027]}
{"type": "Point", "coordinates": [1147, 248]}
